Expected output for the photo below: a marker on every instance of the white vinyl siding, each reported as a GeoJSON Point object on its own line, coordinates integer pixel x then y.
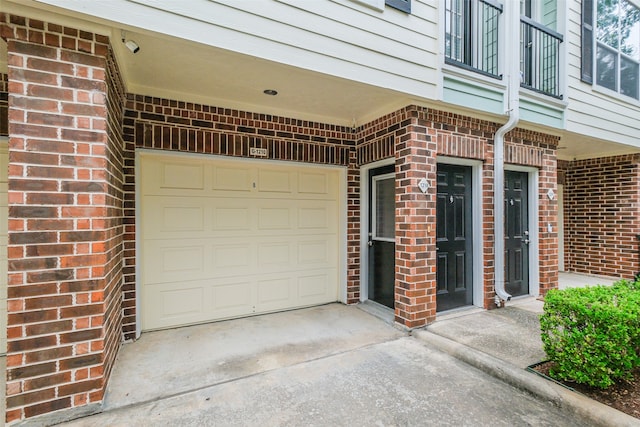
{"type": "Point", "coordinates": [390, 49]}
{"type": "Point", "coordinates": [592, 110]}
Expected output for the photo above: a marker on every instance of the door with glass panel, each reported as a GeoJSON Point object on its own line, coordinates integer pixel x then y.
{"type": "Point", "coordinates": [382, 224]}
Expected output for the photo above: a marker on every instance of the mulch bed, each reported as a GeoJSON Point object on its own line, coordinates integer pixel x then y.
{"type": "Point", "coordinates": [623, 396]}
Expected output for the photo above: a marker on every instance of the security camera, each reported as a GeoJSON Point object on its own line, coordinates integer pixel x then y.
{"type": "Point", "coordinates": [132, 46]}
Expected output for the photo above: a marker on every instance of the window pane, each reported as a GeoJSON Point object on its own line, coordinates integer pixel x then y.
{"type": "Point", "coordinates": [630, 30]}
{"type": "Point", "coordinates": [629, 78]}
{"type": "Point", "coordinates": [607, 25]}
{"type": "Point", "coordinates": [454, 29]}
{"type": "Point", "coordinates": [606, 67]}
{"type": "Point", "coordinates": [385, 208]}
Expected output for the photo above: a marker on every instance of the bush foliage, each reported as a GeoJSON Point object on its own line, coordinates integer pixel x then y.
{"type": "Point", "coordinates": [593, 334]}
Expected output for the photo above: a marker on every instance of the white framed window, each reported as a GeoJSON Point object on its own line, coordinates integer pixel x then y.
{"type": "Point", "coordinates": [617, 47]}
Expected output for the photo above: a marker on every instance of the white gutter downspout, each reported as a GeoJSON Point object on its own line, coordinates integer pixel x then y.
{"type": "Point", "coordinates": [512, 49]}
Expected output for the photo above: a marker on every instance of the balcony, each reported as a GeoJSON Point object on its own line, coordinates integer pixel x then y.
{"type": "Point", "coordinates": [539, 58]}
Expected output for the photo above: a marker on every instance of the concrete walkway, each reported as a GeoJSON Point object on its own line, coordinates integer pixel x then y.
{"type": "Point", "coordinates": [327, 366]}
{"type": "Point", "coordinates": [337, 365]}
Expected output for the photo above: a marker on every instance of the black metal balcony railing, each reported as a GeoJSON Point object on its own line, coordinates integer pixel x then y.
{"type": "Point", "coordinates": [471, 31]}
{"type": "Point", "coordinates": [539, 58]}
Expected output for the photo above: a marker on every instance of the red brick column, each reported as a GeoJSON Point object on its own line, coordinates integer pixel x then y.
{"type": "Point", "coordinates": [548, 216]}
{"type": "Point", "coordinates": [415, 288]}
{"type": "Point", "coordinates": [353, 229]}
{"type": "Point", "coordinates": [65, 226]}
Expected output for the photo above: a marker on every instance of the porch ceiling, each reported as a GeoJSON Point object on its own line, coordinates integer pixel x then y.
{"type": "Point", "coordinates": [579, 147]}
{"type": "Point", "coordinates": [177, 69]}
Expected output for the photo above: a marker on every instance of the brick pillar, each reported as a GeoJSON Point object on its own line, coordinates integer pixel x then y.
{"type": "Point", "coordinates": [64, 217]}
{"type": "Point", "coordinates": [548, 216]}
{"type": "Point", "coordinates": [353, 228]}
{"type": "Point", "coordinates": [415, 287]}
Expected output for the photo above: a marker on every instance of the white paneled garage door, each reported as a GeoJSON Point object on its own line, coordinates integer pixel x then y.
{"type": "Point", "coordinates": [223, 238]}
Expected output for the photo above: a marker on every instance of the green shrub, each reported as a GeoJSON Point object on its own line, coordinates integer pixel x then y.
{"type": "Point", "coordinates": [593, 334]}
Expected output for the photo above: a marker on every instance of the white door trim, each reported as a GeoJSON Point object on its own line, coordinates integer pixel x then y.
{"type": "Point", "coordinates": [342, 209]}
{"type": "Point", "coordinates": [534, 234]}
{"type": "Point", "coordinates": [364, 224]}
{"type": "Point", "coordinates": [476, 212]}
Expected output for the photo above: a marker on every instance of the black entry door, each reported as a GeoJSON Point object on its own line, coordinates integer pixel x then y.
{"type": "Point", "coordinates": [516, 233]}
{"type": "Point", "coordinates": [382, 234]}
{"type": "Point", "coordinates": [454, 237]}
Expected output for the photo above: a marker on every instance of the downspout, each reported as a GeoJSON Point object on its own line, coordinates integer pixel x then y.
{"type": "Point", "coordinates": [512, 49]}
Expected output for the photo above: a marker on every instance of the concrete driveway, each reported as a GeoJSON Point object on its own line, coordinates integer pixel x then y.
{"type": "Point", "coordinates": [329, 365]}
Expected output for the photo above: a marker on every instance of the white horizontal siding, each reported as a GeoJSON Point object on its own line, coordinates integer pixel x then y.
{"type": "Point", "coordinates": [591, 112]}
{"type": "Point", "coordinates": [342, 38]}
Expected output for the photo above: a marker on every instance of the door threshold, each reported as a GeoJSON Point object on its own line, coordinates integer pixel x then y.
{"type": "Point", "coordinates": [382, 312]}
{"type": "Point", "coordinates": [458, 312]}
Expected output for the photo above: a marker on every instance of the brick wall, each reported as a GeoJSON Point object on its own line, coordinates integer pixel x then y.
{"type": "Point", "coordinates": [601, 222]}
{"type": "Point", "coordinates": [64, 217]}
{"type": "Point", "coordinates": [164, 124]}
{"type": "Point", "coordinates": [113, 226]}
{"type": "Point", "coordinates": [466, 137]}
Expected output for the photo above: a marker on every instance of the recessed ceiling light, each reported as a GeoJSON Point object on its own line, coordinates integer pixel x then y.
{"type": "Point", "coordinates": [271, 92]}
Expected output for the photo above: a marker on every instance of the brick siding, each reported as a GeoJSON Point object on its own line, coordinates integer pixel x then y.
{"type": "Point", "coordinates": [65, 196]}
{"type": "Point", "coordinates": [466, 137]}
{"type": "Point", "coordinates": [601, 205]}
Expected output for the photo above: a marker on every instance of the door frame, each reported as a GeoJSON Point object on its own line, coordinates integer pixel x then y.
{"type": "Point", "coordinates": [477, 270]}
{"type": "Point", "coordinates": [534, 233]}
{"type": "Point", "coordinates": [342, 215]}
{"type": "Point", "coordinates": [364, 223]}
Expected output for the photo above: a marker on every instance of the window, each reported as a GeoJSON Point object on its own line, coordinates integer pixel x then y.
{"type": "Point", "coordinates": [617, 55]}
{"type": "Point", "coordinates": [471, 35]}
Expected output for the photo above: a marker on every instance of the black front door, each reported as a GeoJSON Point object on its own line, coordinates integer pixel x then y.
{"type": "Point", "coordinates": [453, 237]}
{"type": "Point", "coordinates": [516, 233]}
{"type": "Point", "coordinates": [382, 235]}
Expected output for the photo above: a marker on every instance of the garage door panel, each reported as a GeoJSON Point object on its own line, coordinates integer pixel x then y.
{"type": "Point", "coordinates": [275, 218]}
{"type": "Point", "coordinates": [315, 251]}
{"type": "Point", "coordinates": [164, 176]}
{"type": "Point", "coordinates": [313, 287]}
{"type": "Point", "coordinates": [275, 255]}
{"type": "Point", "coordinates": [313, 183]}
{"type": "Point", "coordinates": [236, 179]}
{"type": "Point", "coordinates": [170, 260]}
{"type": "Point", "coordinates": [275, 294]}
{"type": "Point", "coordinates": [233, 298]}
{"type": "Point", "coordinates": [275, 181]}
{"type": "Point", "coordinates": [171, 215]}
{"type": "Point", "coordinates": [233, 256]}
{"type": "Point", "coordinates": [167, 304]}
{"type": "Point", "coordinates": [232, 218]}
{"type": "Point", "coordinates": [182, 176]}
{"type": "Point", "coordinates": [241, 238]}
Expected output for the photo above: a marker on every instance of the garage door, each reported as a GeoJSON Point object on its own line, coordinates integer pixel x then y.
{"type": "Point", "coordinates": [227, 238]}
